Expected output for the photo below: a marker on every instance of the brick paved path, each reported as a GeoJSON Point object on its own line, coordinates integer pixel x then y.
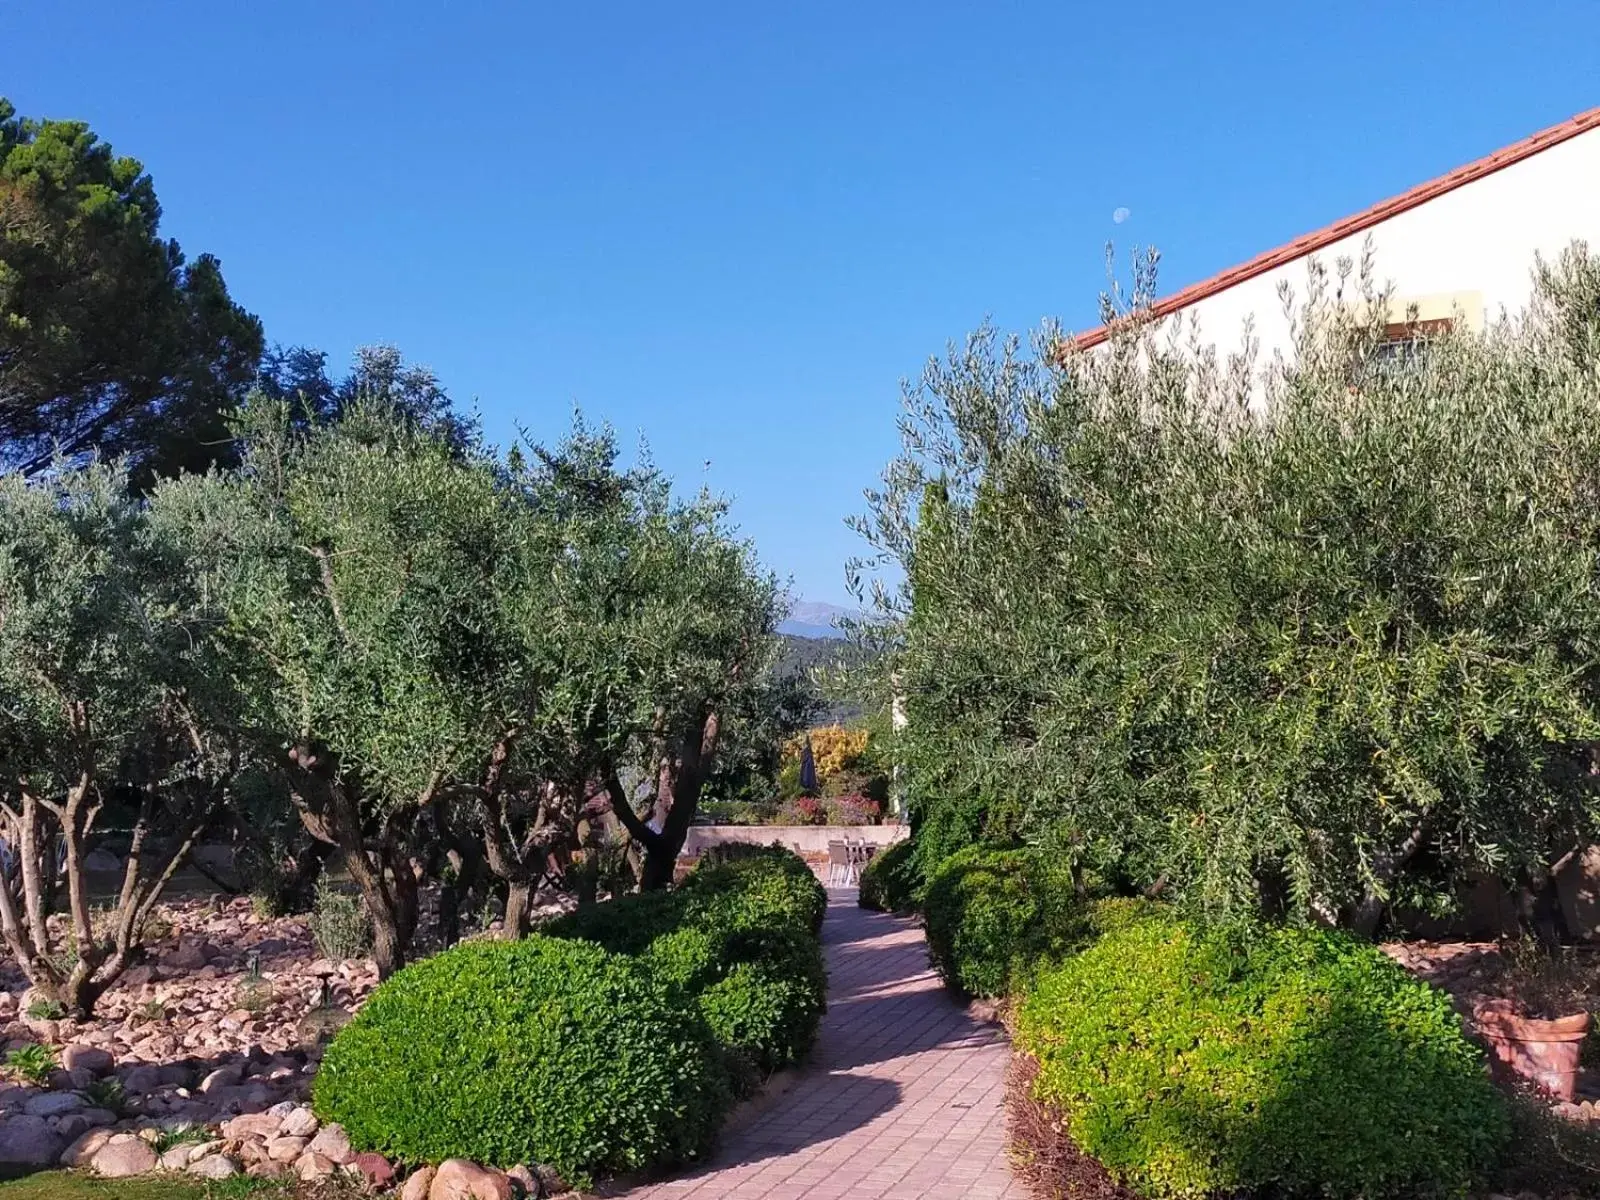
{"type": "Point", "coordinates": [901, 1098]}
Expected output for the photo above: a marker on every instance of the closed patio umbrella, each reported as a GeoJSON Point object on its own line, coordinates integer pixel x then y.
{"type": "Point", "coordinates": [808, 768]}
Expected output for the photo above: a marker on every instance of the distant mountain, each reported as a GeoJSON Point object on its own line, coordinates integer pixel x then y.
{"type": "Point", "coordinates": [813, 619]}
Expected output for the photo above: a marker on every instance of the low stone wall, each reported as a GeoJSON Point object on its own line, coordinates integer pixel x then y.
{"type": "Point", "coordinates": [802, 839]}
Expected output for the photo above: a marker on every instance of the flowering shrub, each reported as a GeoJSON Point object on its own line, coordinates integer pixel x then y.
{"type": "Point", "coordinates": [852, 810]}
{"type": "Point", "coordinates": [802, 810]}
{"type": "Point", "coordinates": [833, 748]}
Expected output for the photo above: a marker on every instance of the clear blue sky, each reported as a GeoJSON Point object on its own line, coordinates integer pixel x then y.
{"type": "Point", "coordinates": [735, 227]}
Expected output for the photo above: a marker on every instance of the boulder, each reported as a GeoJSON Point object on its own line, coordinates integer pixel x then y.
{"type": "Point", "coordinates": [102, 860]}
{"type": "Point", "coordinates": [262, 1125]}
{"type": "Point", "coordinates": [458, 1179]}
{"type": "Point", "coordinates": [124, 1154]}
{"type": "Point", "coordinates": [417, 1186]}
{"type": "Point", "coordinates": [374, 1170]}
{"type": "Point", "coordinates": [86, 1147]}
{"type": "Point", "coordinates": [190, 956]}
{"type": "Point", "coordinates": [88, 1058]}
{"type": "Point", "coordinates": [139, 976]}
{"type": "Point", "coordinates": [312, 1167]}
{"type": "Point", "coordinates": [177, 1158]}
{"type": "Point", "coordinates": [332, 1144]}
{"type": "Point", "coordinates": [29, 1141]}
{"type": "Point", "coordinates": [213, 1166]}
{"type": "Point", "coordinates": [54, 1104]}
{"type": "Point", "coordinates": [223, 1077]}
{"type": "Point", "coordinates": [73, 1126]}
{"type": "Point", "coordinates": [267, 1168]}
{"type": "Point", "coordinates": [286, 1149]}
{"type": "Point", "coordinates": [141, 1079]}
{"type": "Point", "coordinates": [299, 1122]}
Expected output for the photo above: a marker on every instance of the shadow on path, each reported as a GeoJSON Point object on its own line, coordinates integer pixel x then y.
{"type": "Point", "coordinates": [901, 1098]}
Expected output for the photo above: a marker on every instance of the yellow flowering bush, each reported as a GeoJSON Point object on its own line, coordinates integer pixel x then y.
{"type": "Point", "coordinates": [833, 747]}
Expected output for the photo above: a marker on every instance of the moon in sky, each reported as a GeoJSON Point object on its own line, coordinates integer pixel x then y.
{"type": "Point", "coordinates": [1121, 215]}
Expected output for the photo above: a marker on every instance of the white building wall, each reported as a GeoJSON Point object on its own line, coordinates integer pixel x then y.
{"type": "Point", "coordinates": [1474, 245]}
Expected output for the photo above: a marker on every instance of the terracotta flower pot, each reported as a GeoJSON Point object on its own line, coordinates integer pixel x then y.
{"type": "Point", "coordinates": [1545, 1052]}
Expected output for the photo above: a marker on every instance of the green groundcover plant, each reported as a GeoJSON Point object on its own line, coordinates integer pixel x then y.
{"type": "Point", "coordinates": [1290, 1062]}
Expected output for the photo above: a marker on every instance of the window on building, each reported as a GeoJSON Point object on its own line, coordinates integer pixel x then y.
{"type": "Point", "coordinates": [1405, 342]}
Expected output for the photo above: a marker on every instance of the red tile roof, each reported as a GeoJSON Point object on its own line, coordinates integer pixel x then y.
{"type": "Point", "coordinates": [1310, 243]}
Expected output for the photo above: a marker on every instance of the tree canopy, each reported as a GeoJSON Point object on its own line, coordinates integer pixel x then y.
{"type": "Point", "coordinates": [110, 340]}
{"type": "Point", "coordinates": [1311, 638]}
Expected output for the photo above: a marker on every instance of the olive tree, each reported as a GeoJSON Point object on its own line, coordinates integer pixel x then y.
{"type": "Point", "coordinates": [644, 631]}
{"type": "Point", "coordinates": [362, 565]}
{"type": "Point", "coordinates": [109, 702]}
{"type": "Point", "coordinates": [1305, 637]}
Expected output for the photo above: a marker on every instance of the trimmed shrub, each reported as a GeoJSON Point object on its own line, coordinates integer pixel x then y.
{"type": "Point", "coordinates": [739, 939]}
{"type": "Point", "coordinates": [765, 1008]}
{"type": "Point", "coordinates": [1296, 1062]}
{"type": "Point", "coordinates": [993, 914]}
{"type": "Point", "coordinates": [768, 887]}
{"type": "Point", "coordinates": [892, 880]}
{"type": "Point", "coordinates": [542, 1050]}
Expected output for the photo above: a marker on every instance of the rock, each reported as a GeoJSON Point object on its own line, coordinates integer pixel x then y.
{"type": "Point", "coordinates": [141, 1080]}
{"type": "Point", "coordinates": [286, 1149]}
{"type": "Point", "coordinates": [54, 1104]}
{"type": "Point", "coordinates": [43, 1029]}
{"type": "Point", "coordinates": [177, 1158]}
{"type": "Point", "coordinates": [300, 1121]}
{"type": "Point", "coordinates": [97, 1117]}
{"type": "Point", "coordinates": [374, 1169]}
{"type": "Point", "coordinates": [213, 1166]}
{"type": "Point", "coordinates": [417, 1186]}
{"type": "Point", "coordinates": [80, 1078]}
{"type": "Point", "coordinates": [332, 1144]}
{"type": "Point", "coordinates": [140, 976]}
{"type": "Point", "coordinates": [101, 859]}
{"type": "Point", "coordinates": [124, 1155]}
{"type": "Point", "coordinates": [86, 1147]}
{"type": "Point", "coordinates": [73, 1126]}
{"type": "Point", "coordinates": [29, 1141]}
{"type": "Point", "coordinates": [88, 1058]}
{"type": "Point", "coordinates": [222, 1077]}
{"type": "Point", "coordinates": [525, 1179]}
{"type": "Point", "coordinates": [312, 1167]}
{"type": "Point", "coordinates": [190, 956]}
{"type": "Point", "coordinates": [458, 1179]}
{"type": "Point", "coordinates": [262, 1125]}
{"type": "Point", "coordinates": [267, 1169]}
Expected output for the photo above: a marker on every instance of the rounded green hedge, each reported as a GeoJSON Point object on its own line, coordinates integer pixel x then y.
{"type": "Point", "coordinates": [542, 1050]}
{"type": "Point", "coordinates": [738, 940]}
{"type": "Point", "coordinates": [1298, 1062]}
{"type": "Point", "coordinates": [763, 887]}
{"type": "Point", "coordinates": [892, 880]}
{"type": "Point", "coordinates": [994, 914]}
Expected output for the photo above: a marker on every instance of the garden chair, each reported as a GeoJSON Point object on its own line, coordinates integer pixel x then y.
{"type": "Point", "coordinates": [841, 865]}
